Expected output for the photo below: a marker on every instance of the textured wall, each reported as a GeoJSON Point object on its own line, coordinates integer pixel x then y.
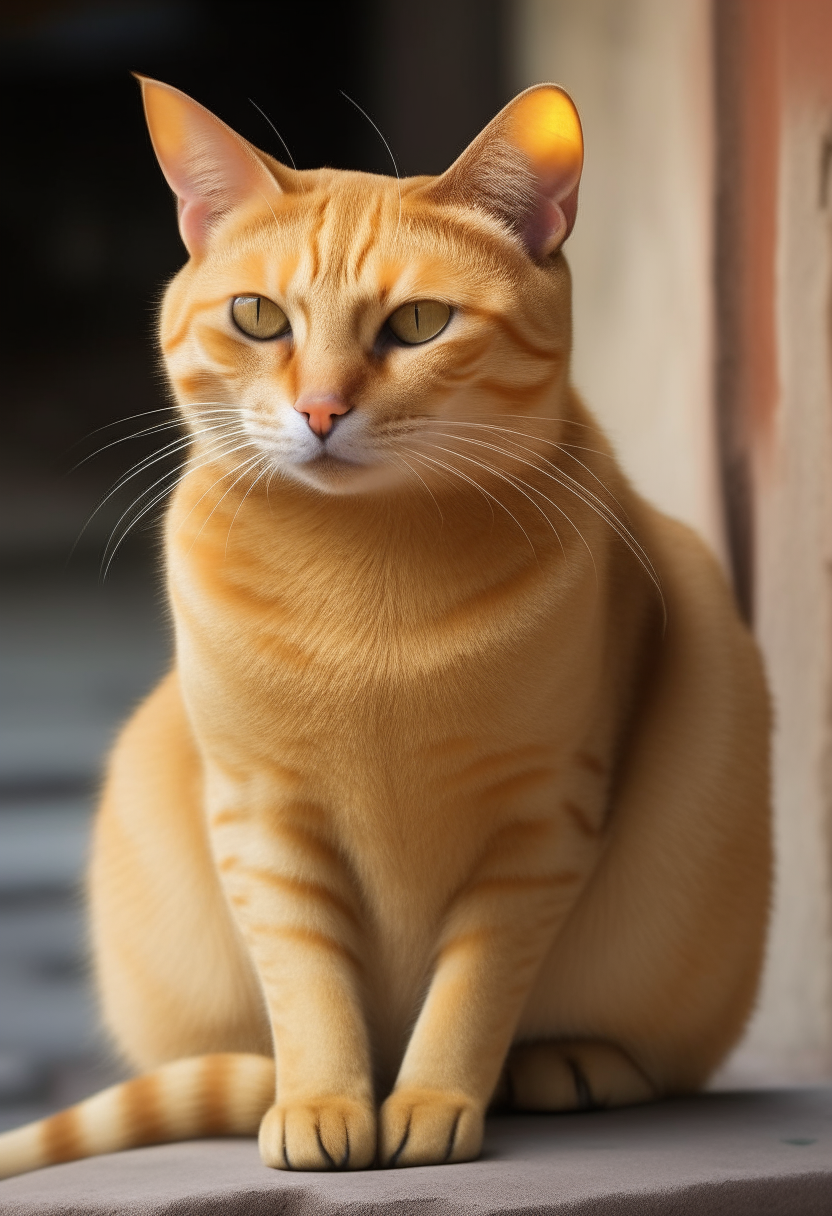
{"type": "Point", "coordinates": [639, 71]}
{"type": "Point", "coordinates": [785, 46]}
{"type": "Point", "coordinates": [703, 285]}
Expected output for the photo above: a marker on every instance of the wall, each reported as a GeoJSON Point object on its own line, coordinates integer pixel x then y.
{"type": "Point", "coordinates": [639, 71]}
{"type": "Point", "coordinates": [783, 46]}
{"type": "Point", "coordinates": [703, 296]}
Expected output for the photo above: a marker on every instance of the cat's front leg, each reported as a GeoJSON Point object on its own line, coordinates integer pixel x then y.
{"type": "Point", "coordinates": [301, 921]}
{"type": "Point", "coordinates": [495, 937]}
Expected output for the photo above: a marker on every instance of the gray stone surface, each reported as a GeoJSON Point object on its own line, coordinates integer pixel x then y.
{"type": "Point", "coordinates": [752, 1154]}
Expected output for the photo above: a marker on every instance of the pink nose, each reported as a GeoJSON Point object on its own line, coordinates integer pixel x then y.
{"type": "Point", "coordinates": [320, 410]}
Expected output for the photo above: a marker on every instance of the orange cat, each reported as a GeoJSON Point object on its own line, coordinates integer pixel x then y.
{"type": "Point", "coordinates": [458, 791]}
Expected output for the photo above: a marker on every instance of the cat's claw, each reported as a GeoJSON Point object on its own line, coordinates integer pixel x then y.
{"type": "Point", "coordinates": [429, 1127]}
{"type": "Point", "coordinates": [330, 1133]}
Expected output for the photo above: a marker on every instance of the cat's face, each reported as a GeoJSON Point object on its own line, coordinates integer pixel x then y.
{"type": "Point", "coordinates": [355, 333]}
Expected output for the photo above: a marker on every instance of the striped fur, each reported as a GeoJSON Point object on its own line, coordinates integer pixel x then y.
{"type": "Point", "coordinates": [458, 791]}
{"type": "Point", "coordinates": [214, 1095]}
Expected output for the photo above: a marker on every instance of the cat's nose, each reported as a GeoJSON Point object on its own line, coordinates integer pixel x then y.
{"type": "Point", "coordinates": [320, 410]}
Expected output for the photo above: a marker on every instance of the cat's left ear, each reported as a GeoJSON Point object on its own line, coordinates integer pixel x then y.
{"type": "Point", "coordinates": [209, 167]}
{"type": "Point", "coordinates": [524, 168]}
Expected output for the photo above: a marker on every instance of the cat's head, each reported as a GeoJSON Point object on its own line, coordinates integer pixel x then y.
{"type": "Point", "coordinates": [355, 332]}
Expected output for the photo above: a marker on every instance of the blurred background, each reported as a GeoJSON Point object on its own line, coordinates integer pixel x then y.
{"type": "Point", "coordinates": [701, 261]}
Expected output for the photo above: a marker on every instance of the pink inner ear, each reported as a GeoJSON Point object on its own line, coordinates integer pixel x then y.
{"type": "Point", "coordinates": [552, 219]}
{"type": "Point", "coordinates": [550, 223]}
{"type": "Point", "coordinates": [208, 166]}
{"type": "Point", "coordinates": [194, 216]}
{"type": "Point", "coordinates": [545, 229]}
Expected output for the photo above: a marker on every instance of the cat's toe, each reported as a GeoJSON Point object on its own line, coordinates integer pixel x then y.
{"type": "Point", "coordinates": [429, 1127]}
{"type": "Point", "coordinates": [330, 1133]}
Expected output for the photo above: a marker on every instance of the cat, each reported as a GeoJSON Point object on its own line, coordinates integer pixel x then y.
{"type": "Point", "coordinates": [458, 792]}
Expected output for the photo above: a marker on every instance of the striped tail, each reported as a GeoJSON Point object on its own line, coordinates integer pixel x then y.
{"type": "Point", "coordinates": [215, 1095]}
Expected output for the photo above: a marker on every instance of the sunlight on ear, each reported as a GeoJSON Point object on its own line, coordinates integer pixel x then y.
{"type": "Point", "coordinates": [165, 118]}
{"type": "Point", "coordinates": [547, 128]}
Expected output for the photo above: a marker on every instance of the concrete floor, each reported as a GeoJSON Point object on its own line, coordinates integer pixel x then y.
{"type": "Point", "coordinates": [75, 654]}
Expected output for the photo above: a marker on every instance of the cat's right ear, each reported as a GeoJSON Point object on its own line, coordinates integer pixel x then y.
{"type": "Point", "coordinates": [209, 167]}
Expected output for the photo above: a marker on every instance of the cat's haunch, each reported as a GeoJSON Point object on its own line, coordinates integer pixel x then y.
{"type": "Point", "coordinates": [457, 793]}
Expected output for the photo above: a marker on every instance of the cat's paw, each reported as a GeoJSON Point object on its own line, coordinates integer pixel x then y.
{"type": "Point", "coordinates": [429, 1127]}
{"type": "Point", "coordinates": [328, 1133]}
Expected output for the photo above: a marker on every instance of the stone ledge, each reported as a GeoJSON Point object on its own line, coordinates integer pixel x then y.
{"type": "Point", "coordinates": [742, 1154]}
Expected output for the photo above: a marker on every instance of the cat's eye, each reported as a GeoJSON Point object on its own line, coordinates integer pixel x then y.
{"type": "Point", "coordinates": [419, 321]}
{"type": "Point", "coordinates": [259, 317]}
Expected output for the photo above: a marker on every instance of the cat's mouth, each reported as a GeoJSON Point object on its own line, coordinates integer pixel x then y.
{"type": "Point", "coordinates": [340, 473]}
{"type": "Point", "coordinates": [324, 461]}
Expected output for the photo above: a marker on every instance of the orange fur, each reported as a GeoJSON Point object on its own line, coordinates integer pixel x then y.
{"type": "Point", "coordinates": [458, 791]}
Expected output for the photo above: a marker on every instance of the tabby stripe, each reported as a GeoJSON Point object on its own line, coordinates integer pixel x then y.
{"type": "Point", "coordinates": [521, 881]}
{"type": "Point", "coordinates": [590, 762]}
{"type": "Point", "coordinates": [221, 818]}
{"type": "Point", "coordinates": [286, 272]}
{"type": "Point", "coordinates": [520, 783]}
{"type": "Point", "coordinates": [309, 843]}
{"type": "Point", "coordinates": [515, 392]}
{"type": "Point", "coordinates": [182, 332]}
{"type": "Point", "coordinates": [371, 240]}
{"type": "Point", "coordinates": [215, 1085]}
{"type": "Point", "coordinates": [306, 937]}
{"type": "Point", "coordinates": [143, 1113]}
{"type": "Point", "coordinates": [301, 887]}
{"type": "Point", "coordinates": [224, 1093]}
{"type": "Point", "coordinates": [63, 1137]}
{"type": "Point", "coordinates": [580, 819]}
{"type": "Point", "coordinates": [314, 241]}
{"type": "Point", "coordinates": [519, 339]}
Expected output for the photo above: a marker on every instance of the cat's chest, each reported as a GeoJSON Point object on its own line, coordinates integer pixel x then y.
{"type": "Point", "coordinates": [374, 657]}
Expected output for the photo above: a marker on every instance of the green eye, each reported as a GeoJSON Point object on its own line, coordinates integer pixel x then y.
{"type": "Point", "coordinates": [419, 321]}
{"type": "Point", "coordinates": [259, 317]}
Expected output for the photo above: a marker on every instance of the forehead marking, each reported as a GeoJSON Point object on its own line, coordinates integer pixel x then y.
{"type": "Point", "coordinates": [314, 238]}
{"type": "Point", "coordinates": [286, 272]}
{"type": "Point", "coordinates": [547, 355]}
{"type": "Point", "coordinates": [372, 237]}
{"type": "Point", "coordinates": [181, 332]}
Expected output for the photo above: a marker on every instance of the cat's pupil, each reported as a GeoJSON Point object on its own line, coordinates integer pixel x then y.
{"type": "Point", "coordinates": [419, 321]}
{"type": "Point", "coordinates": [259, 317]}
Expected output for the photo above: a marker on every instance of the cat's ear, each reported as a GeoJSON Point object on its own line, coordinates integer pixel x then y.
{"type": "Point", "coordinates": [209, 167]}
{"type": "Point", "coordinates": [524, 168]}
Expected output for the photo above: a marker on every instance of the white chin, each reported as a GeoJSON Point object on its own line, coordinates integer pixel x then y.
{"type": "Point", "coordinates": [333, 476]}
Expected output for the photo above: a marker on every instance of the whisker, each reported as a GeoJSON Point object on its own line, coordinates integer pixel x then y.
{"type": "Point", "coordinates": [546, 418]}
{"type": "Point", "coordinates": [569, 483]}
{"type": "Point", "coordinates": [167, 451]}
{"type": "Point", "coordinates": [512, 482]}
{"type": "Point", "coordinates": [540, 439]}
{"type": "Point", "coordinates": [242, 500]}
{"type": "Point", "coordinates": [458, 473]}
{"type": "Point", "coordinates": [142, 414]}
{"type": "Point", "coordinates": [604, 512]}
{"type": "Point", "coordinates": [527, 484]}
{"type": "Point", "coordinates": [119, 421]}
{"type": "Point", "coordinates": [204, 464]}
{"type": "Point", "coordinates": [263, 113]}
{"type": "Point", "coordinates": [401, 458]}
{"type": "Point", "coordinates": [389, 152]}
{"type": "Point", "coordinates": [247, 467]}
{"type": "Point", "coordinates": [148, 430]}
{"type": "Point", "coordinates": [172, 476]}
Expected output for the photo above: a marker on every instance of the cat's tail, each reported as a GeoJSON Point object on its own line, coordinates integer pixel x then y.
{"type": "Point", "coordinates": [213, 1095]}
